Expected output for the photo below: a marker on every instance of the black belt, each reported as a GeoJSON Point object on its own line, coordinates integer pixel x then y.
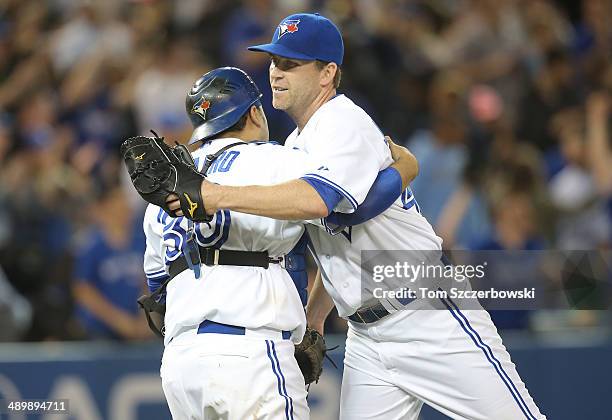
{"type": "Point", "coordinates": [213, 256]}
{"type": "Point", "coordinates": [369, 315]}
{"type": "Point", "coordinates": [378, 311]}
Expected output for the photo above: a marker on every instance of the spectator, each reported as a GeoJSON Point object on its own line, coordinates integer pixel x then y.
{"type": "Point", "coordinates": [484, 91]}
{"type": "Point", "coordinates": [250, 25]}
{"type": "Point", "coordinates": [108, 272]}
{"type": "Point", "coordinates": [158, 97]}
{"type": "Point", "coordinates": [584, 222]}
{"type": "Point", "coordinates": [443, 156]}
{"type": "Point", "coordinates": [515, 229]}
{"type": "Point", "coordinates": [552, 90]}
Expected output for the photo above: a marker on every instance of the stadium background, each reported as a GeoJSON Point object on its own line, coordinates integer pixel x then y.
{"type": "Point", "coordinates": [506, 104]}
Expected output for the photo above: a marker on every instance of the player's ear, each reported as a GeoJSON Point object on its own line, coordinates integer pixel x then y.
{"type": "Point", "coordinates": [255, 114]}
{"type": "Point", "coordinates": [327, 74]}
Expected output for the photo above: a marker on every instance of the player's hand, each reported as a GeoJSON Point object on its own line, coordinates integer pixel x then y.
{"type": "Point", "coordinates": [404, 161]}
{"type": "Point", "coordinates": [209, 192]}
{"type": "Point", "coordinates": [174, 204]}
{"type": "Point", "coordinates": [397, 152]}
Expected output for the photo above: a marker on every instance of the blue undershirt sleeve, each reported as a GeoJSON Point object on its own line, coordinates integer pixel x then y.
{"type": "Point", "coordinates": [330, 196]}
{"type": "Point", "coordinates": [384, 191]}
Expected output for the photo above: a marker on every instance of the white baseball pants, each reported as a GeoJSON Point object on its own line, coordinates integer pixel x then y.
{"type": "Point", "coordinates": [451, 359]}
{"type": "Point", "coordinates": [232, 377]}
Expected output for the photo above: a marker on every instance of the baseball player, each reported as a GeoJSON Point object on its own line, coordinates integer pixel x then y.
{"type": "Point", "coordinates": [230, 328]}
{"type": "Point", "coordinates": [398, 355]}
{"type": "Point", "coordinates": [232, 310]}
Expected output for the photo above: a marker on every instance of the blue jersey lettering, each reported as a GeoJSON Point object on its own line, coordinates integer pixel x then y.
{"type": "Point", "coordinates": [224, 162]}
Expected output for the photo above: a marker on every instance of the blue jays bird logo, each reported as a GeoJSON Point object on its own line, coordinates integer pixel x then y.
{"type": "Point", "coordinates": [200, 108]}
{"type": "Point", "coordinates": [288, 26]}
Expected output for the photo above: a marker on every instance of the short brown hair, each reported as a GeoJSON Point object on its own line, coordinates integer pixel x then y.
{"type": "Point", "coordinates": [241, 123]}
{"type": "Point", "coordinates": [321, 65]}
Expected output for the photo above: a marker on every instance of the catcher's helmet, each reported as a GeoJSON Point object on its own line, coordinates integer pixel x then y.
{"type": "Point", "coordinates": [218, 99]}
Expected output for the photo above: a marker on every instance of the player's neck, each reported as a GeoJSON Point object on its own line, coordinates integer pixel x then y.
{"type": "Point", "coordinates": [302, 118]}
{"type": "Point", "coordinates": [244, 135]}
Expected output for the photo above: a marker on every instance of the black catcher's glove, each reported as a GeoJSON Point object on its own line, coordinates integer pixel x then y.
{"type": "Point", "coordinates": [157, 170]}
{"type": "Point", "coordinates": [310, 354]}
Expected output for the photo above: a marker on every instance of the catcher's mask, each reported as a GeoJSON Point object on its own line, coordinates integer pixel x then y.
{"type": "Point", "coordinates": [218, 99]}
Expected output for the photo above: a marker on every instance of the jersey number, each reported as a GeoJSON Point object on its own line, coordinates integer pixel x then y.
{"type": "Point", "coordinates": [206, 235]}
{"type": "Point", "coordinates": [216, 238]}
{"type": "Point", "coordinates": [409, 201]}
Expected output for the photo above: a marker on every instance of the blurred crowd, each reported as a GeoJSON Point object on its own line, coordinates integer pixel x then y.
{"type": "Point", "coordinates": [506, 104]}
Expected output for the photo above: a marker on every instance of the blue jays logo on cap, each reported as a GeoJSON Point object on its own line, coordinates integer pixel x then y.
{"type": "Point", "coordinates": [289, 26]}
{"type": "Point", "coordinates": [200, 108]}
{"type": "Point", "coordinates": [319, 39]}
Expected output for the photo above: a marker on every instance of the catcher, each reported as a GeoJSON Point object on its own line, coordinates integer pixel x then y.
{"type": "Point", "coordinates": [231, 287]}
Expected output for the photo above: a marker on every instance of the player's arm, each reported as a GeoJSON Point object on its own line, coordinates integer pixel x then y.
{"type": "Point", "coordinates": [387, 187]}
{"type": "Point", "coordinates": [299, 199]}
{"type": "Point", "coordinates": [153, 262]}
{"type": "Point", "coordinates": [292, 196]}
{"type": "Point", "coordinates": [319, 305]}
{"type": "Point", "coordinates": [309, 197]}
{"type": "Point", "coordinates": [350, 157]}
{"type": "Point", "coordinates": [293, 200]}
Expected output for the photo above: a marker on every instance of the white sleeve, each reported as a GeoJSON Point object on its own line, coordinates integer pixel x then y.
{"type": "Point", "coordinates": [290, 164]}
{"type": "Point", "coordinates": [154, 266]}
{"type": "Point", "coordinates": [351, 155]}
{"type": "Point", "coordinates": [294, 164]}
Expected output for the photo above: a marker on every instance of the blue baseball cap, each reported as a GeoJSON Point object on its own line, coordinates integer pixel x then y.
{"type": "Point", "coordinates": [306, 36]}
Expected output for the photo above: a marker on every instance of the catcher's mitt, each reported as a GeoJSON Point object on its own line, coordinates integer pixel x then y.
{"type": "Point", "coordinates": [157, 170]}
{"type": "Point", "coordinates": [310, 354]}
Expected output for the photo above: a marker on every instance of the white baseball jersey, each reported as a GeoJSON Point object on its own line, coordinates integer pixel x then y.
{"type": "Point", "coordinates": [250, 297]}
{"type": "Point", "coordinates": [344, 139]}
{"type": "Point", "coordinates": [454, 360]}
